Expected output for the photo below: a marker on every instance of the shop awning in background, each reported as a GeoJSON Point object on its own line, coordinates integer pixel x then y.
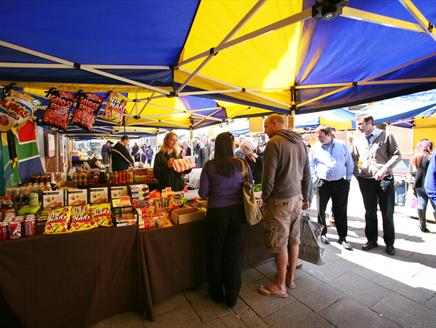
{"type": "Point", "coordinates": [399, 116]}
{"type": "Point", "coordinates": [340, 119]}
{"type": "Point", "coordinates": [265, 55]}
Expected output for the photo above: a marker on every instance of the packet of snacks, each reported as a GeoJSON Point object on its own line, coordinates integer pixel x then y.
{"type": "Point", "coordinates": [88, 105]}
{"type": "Point", "coordinates": [58, 109]}
{"type": "Point", "coordinates": [101, 214]}
{"type": "Point", "coordinates": [58, 220]}
{"type": "Point", "coordinates": [81, 219]}
{"type": "Point", "coordinates": [115, 107]}
{"type": "Point", "coordinates": [16, 108]}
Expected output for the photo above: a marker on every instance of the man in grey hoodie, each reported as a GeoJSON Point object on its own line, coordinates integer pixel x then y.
{"type": "Point", "coordinates": [285, 189]}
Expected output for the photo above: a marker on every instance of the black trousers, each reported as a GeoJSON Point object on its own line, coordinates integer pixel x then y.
{"type": "Point", "coordinates": [338, 191]}
{"type": "Point", "coordinates": [383, 193]}
{"type": "Point", "coordinates": [225, 227]}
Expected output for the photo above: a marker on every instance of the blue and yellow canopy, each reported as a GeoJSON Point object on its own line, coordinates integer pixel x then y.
{"type": "Point", "coordinates": [191, 63]}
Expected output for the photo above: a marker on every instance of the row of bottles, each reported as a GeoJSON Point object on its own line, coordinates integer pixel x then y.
{"type": "Point", "coordinates": [94, 178]}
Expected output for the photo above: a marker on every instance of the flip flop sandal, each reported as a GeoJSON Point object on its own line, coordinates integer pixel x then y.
{"type": "Point", "coordinates": [291, 286]}
{"type": "Point", "coordinates": [266, 291]}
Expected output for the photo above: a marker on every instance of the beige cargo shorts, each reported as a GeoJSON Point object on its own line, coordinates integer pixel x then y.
{"type": "Point", "coordinates": [281, 222]}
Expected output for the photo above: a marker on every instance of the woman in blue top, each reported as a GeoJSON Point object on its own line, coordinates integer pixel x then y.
{"type": "Point", "coordinates": [430, 181]}
{"type": "Point", "coordinates": [221, 182]}
{"type": "Point", "coordinates": [420, 161]}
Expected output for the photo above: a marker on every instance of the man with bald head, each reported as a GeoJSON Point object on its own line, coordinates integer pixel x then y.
{"type": "Point", "coordinates": [285, 189]}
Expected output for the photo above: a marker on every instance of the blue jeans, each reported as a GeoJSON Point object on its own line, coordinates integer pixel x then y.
{"type": "Point", "coordinates": [423, 200]}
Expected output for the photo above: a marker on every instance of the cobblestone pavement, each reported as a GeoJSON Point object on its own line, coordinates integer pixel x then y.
{"type": "Point", "coordinates": [352, 289]}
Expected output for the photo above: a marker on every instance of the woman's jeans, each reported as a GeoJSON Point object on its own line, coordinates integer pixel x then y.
{"type": "Point", "coordinates": [423, 200]}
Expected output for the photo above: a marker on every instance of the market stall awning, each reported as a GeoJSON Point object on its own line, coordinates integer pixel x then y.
{"type": "Point", "coordinates": [339, 119]}
{"type": "Point", "coordinates": [270, 55]}
{"type": "Point", "coordinates": [399, 116]}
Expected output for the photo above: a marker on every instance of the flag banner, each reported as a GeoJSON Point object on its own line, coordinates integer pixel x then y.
{"type": "Point", "coordinates": [29, 158]}
{"type": "Point", "coordinates": [9, 169]}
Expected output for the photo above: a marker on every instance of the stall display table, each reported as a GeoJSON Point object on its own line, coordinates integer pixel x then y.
{"type": "Point", "coordinates": [78, 279]}
{"type": "Point", "coordinates": [69, 280]}
{"type": "Point", "coordinates": [174, 259]}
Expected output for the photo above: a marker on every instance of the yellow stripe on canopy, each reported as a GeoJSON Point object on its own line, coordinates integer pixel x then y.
{"type": "Point", "coordinates": [338, 125]}
{"type": "Point", "coordinates": [41, 87]}
{"type": "Point", "coordinates": [161, 112]}
{"type": "Point", "coordinates": [425, 122]}
{"type": "Point", "coordinates": [236, 110]}
{"type": "Point", "coordinates": [266, 62]}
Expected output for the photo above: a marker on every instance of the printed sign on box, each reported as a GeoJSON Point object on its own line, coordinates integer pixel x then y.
{"type": "Point", "coordinates": [77, 197]}
{"type": "Point", "coordinates": [119, 191]}
{"type": "Point", "coordinates": [52, 199]}
{"type": "Point", "coordinates": [98, 195]}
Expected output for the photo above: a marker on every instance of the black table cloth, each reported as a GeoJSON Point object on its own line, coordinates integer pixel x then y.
{"type": "Point", "coordinates": [69, 280]}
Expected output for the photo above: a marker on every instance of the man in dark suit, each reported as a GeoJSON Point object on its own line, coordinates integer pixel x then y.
{"type": "Point", "coordinates": [121, 159]}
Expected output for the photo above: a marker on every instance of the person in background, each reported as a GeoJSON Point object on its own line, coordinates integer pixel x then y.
{"type": "Point", "coordinates": [106, 152]}
{"type": "Point", "coordinates": [94, 163]}
{"type": "Point", "coordinates": [332, 167]}
{"type": "Point", "coordinates": [203, 152]}
{"type": "Point", "coordinates": [149, 154]}
{"type": "Point", "coordinates": [221, 182]}
{"type": "Point", "coordinates": [285, 189]}
{"type": "Point", "coordinates": [142, 153]}
{"type": "Point", "coordinates": [164, 164]}
{"type": "Point", "coordinates": [196, 152]}
{"type": "Point", "coordinates": [375, 153]}
{"type": "Point", "coordinates": [420, 161]}
{"type": "Point", "coordinates": [430, 180]}
{"type": "Point", "coordinates": [186, 150]}
{"type": "Point", "coordinates": [247, 151]}
{"type": "Point", "coordinates": [135, 152]}
{"type": "Point", "coordinates": [121, 159]}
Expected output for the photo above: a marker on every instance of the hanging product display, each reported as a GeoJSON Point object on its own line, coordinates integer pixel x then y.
{"type": "Point", "coordinates": [88, 105]}
{"type": "Point", "coordinates": [16, 108]}
{"type": "Point", "coordinates": [114, 109]}
{"type": "Point", "coordinates": [58, 110]}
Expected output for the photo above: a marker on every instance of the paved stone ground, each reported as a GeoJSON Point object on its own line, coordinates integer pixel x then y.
{"type": "Point", "coordinates": [352, 289]}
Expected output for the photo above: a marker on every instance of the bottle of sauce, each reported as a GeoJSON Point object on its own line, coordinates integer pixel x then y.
{"type": "Point", "coordinates": [8, 208]}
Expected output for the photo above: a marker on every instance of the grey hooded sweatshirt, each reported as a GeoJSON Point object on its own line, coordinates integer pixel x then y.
{"type": "Point", "coordinates": [286, 170]}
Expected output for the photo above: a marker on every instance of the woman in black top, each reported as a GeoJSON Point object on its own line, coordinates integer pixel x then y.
{"type": "Point", "coordinates": [420, 161]}
{"type": "Point", "coordinates": [164, 164]}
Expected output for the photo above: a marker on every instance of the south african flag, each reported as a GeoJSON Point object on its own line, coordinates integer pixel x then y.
{"type": "Point", "coordinates": [19, 156]}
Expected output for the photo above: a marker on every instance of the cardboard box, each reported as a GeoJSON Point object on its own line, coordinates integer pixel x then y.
{"type": "Point", "coordinates": [186, 215]}
{"type": "Point", "coordinates": [122, 201]}
{"type": "Point", "coordinates": [200, 203]}
{"type": "Point", "coordinates": [98, 195]}
{"type": "Point", "coordinates": [77, 197]}
{"type": "Point", "coordinates": [53, 199]}
{"type": "Point", "coordinates": [119, 191]}
{"type": "Point", "coordinates": [139, 188]}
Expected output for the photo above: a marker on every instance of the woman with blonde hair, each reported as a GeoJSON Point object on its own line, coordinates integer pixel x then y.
{"type": "Point", "coordinates": [164, 164]}
{"type": "Point", "coordinates": [420, 161]}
